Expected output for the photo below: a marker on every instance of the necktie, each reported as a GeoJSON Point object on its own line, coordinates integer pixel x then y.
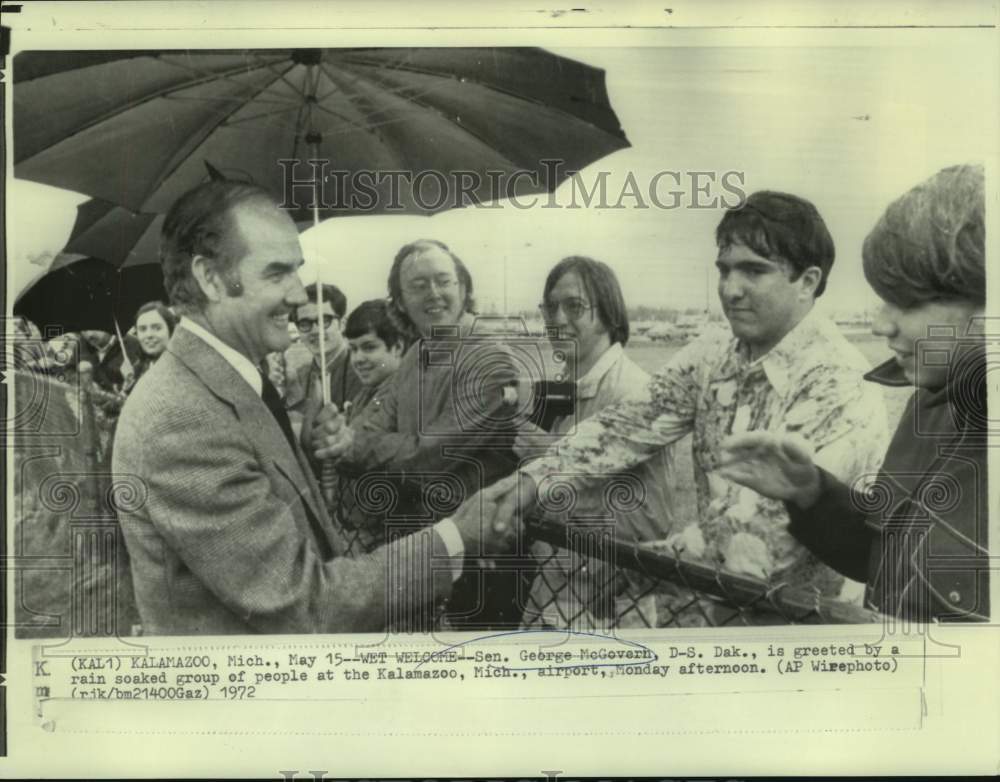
{"type": "Point", "coordinates": [275, 404]}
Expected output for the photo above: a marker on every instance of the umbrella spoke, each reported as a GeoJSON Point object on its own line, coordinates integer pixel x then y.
{"type": "Point", "coordinates": [282, 77]}
{"type": "Point", "coordinates": [422, 108]}
{"type": "Point", "coordinates": [223, 76]}
{"type": "Point", "coordinates": [230, 123]}
{"type": "Point", "coordinates": [197, 140]}
{"type": "Point", "coordinates": [224, 98]}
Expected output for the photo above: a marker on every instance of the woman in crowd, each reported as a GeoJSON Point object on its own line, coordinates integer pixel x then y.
{"type": "Point", "coordinates": [918, 535]}
{"type": "Point", "coordinates": [154, 324]}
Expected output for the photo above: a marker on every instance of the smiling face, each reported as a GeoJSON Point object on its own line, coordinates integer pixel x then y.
{"type": "Point", "coordinates": [255, 321]}
{"type": "Point", "coordinates": [568, 307]}
{"type": "Point", "coordinates": [760, 299]}
{"type": "Point", "coordinates": [432, 292]}
{"type": "Point", "coordinates": [309, 323]}
{"type": "Point", "coordinates": [372, 360]}
{"type": "Point", "coordinates": [909, 334]}
{"type": "Point", "coordinates": [153, 333]}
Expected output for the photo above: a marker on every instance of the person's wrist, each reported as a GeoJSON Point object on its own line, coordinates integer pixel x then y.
{"type": "Point", "coordinates": [808, 493]}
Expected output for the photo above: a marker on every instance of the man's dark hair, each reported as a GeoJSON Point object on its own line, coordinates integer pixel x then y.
{"type": "Point", "coordinates": [416, 248]}
{"type": "Point", "coordinates": [332, 294]}
{"type": "Point", "coordinates": [779, 226]}
{"type": "Point", "coordinates": [603, 290]}
{"type": "Point", "coordinates": [201, 223]}
{"type": "Point", "coordinates": [373, 317]}
{"type": "Point", "coordinates": [162, 310]}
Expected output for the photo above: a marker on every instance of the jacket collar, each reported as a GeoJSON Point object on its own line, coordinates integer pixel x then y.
{"type": "Point", "coordinates": [587, 386]}
{"type": "Point", "coordinates": [233, 357]}
{"type": "Point", "coordinates": [226, 383]}
{"type": "Point", "coordinates": [888, 373]}
{"type": "Point", "coordinates": [965, 392]}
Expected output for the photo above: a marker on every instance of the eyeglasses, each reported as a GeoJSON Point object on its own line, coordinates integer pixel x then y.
{"type": "Point", "coordinates": [574, 308]}
{"type": "Point", "coordinates": [306, 325]}
{"type": "Point", "coordinates": [422, 287]}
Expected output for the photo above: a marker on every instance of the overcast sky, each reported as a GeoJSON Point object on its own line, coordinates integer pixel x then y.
{"type": "Point", "coordinates": [848, 128]}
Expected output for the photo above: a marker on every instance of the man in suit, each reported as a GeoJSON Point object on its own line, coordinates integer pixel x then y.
{"type": "Point", "coordinates": [229, 533]}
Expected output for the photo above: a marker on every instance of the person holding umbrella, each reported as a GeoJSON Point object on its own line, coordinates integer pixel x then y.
{"type": "Point", "coordinates": [419, 424]}
{"type": "Point", "coordinates": [301, 377]}
{"type": "Point", "coordinates": [918, 536]}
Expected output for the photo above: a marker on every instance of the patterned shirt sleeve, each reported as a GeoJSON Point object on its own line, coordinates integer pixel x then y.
{"type": "Point", "coordinates": [628, 433]}
{"type": "Point", "coordinates": [844, 419]}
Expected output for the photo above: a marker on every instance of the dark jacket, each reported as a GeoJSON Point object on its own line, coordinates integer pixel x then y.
{"type": "Point", "coordinates": [918, 535]}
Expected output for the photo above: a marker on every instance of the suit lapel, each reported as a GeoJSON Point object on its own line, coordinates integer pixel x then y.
{"type": "Point", "coordinates": [259, 425]}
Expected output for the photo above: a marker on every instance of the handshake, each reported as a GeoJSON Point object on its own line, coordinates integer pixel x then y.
{"type": "Point", "coordinates": [490, 522]}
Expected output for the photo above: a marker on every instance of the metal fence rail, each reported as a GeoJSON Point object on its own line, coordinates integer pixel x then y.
{"type": "Point", "coordinates": [603, 583]}
{"type": "Point", "coordinates": [579, 576]}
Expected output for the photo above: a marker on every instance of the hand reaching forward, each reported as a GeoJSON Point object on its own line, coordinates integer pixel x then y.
{"type": "Point", "coordinates": [779, 466]}
{"type": "Point", "coordinates": [491, 520]}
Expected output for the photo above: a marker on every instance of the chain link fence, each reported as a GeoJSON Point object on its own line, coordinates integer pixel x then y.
{"type": "Point", "coordinates": [72, 567]}
{"type": "Point", "coordinates": [578, 576]}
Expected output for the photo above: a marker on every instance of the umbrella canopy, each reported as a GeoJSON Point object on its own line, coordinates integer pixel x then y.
{"type": "Point", "coordinates": [89, 293]}
{"type": "Point", "coordinates": [114, 234]}
{"type": "Point", "coordinates": [133, 127]}
{"type": "Point", "coordinates": [120, 237]}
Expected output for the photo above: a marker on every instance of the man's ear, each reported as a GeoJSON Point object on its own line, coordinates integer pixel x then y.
{"type": "Point", "coordinates": [810, 279]}
{"type": "Point", "coordinates": [207, 277]}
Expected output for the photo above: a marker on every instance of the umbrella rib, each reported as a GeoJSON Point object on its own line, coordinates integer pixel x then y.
{"type": "Point", "coordinates": [354, 123]}
{"type": "Point", "coordinates": [222, 76]}
{"type": "Point", "coordinates": [262, 115]}
{"type": "Point", "coordinates": [376, 66]}
{"type": "Point", "coordinates": [122, 109]}
{"type": "Point", "coordinates": [199, 138]}
{"type": "Point", "coordinates": [364, 128]}
{"type": "Point", "coordinates": [281, 77]}
{"type": "Point", "coordinates": [428, 107]}
{"type": "Point", "coordinates": [192, 99]}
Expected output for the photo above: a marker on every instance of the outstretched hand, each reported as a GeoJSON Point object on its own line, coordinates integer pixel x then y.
{"type": "Point", "coordinates": [491, 520]}
{"type": "Point", "coordinates": [779, 466]}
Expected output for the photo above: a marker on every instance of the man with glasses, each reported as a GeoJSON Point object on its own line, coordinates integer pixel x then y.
{"type": "Point", "coordinates": [435, 426]}
{"type": "Point", "coordinates": [303, 376]}
{"type": "Point", "coordinates": [782, 368]}
{"type": "Point", "coordinates": [583, 303]}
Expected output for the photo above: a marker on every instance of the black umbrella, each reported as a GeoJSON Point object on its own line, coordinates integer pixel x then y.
{"type": "Point", "coordinates": [134, 127]}
{"type": "Point", "coordinates": [89, 293]}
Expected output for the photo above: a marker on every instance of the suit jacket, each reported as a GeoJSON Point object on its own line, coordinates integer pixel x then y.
{"type": "Point", "coordinates": [230, 534]}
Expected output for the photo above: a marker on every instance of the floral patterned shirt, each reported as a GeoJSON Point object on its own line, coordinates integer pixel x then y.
{"type": "Point", "coordinates": [810, 383]}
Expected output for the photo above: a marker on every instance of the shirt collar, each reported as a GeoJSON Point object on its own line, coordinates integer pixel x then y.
{"type": "Point", "coordinates": [586, 386]}
{"type": "Point", "coordinates": [237, 360]}
{"type": "Point", "coordinates": [778, 362]}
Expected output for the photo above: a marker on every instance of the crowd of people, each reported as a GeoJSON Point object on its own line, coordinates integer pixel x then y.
{"type": "Point", "coordinates": [400, 492]}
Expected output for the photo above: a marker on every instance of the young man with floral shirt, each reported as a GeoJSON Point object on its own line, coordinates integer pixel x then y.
{"type": "Point", "coordinates": [783, 367]}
